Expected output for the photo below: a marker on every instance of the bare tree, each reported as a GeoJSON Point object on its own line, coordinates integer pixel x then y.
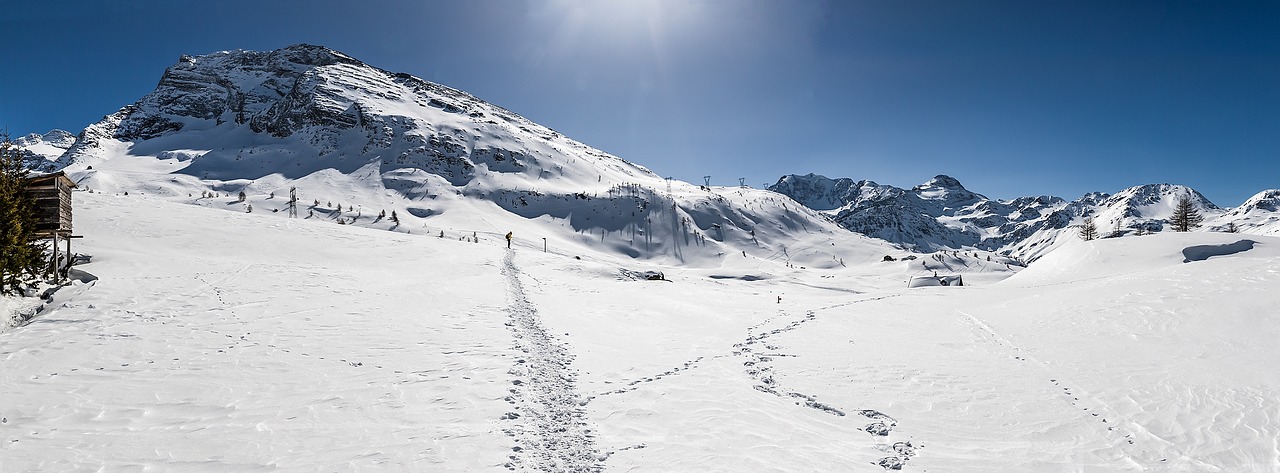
{"type": "Point", "coordinates": [1185, 215]}
{"type": "Point", "coordinates": [1088, 230]}
{"type": "Point", "coordinates": [1118, 230]}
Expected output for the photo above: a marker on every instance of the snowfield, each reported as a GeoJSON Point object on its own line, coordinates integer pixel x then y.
{"type": "Point", "coordinates": [207, 340]}
{"type": "Point", "coordinates": [637, 323]}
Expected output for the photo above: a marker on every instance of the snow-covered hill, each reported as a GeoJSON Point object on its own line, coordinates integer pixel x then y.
{"type": "Point", "coordinates": [941, 214]}
{"type": "Point", "coordinates": [361, 145]}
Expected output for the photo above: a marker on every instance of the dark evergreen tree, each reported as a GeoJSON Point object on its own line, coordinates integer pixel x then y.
{"type": "Point", "coordinates": [1185, 216]}
{"type": "Point", "coordinates": [20, 256]}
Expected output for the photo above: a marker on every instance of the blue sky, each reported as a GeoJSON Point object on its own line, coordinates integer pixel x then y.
{"type": "Point", "coordinates": [1011, 97]}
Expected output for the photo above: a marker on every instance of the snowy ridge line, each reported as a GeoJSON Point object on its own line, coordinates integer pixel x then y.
{"type": "Point", "coordinates": [757, 367]}
{"type": "Point", "coordinates": [548, 418]}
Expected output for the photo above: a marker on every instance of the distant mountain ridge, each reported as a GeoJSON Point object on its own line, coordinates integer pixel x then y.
{"type": "Point", "coordinates": [942, 214]}
{"type": "Point", "coordinates": [41, 152]}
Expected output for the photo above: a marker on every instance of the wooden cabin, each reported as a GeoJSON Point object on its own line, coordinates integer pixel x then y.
{"type": "Point", "coordinates": [52, 193]}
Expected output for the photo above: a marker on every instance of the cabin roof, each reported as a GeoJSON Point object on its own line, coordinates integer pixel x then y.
{"type": "Point", "coordinates": [48, 179]}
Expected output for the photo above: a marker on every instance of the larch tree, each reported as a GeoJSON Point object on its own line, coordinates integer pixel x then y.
{"type": "Point", "coordinates": [1088, 230]}
{"type": "Point", "coordinates": [1185, 215]}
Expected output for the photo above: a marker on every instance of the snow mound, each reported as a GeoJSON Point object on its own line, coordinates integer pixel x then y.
{"type": "Point", "coordinates": [15, 311]}
{"type": "Point", "coordinates": [1078, 260]}
{"type": "Point", "coordinates": [1204, 252]}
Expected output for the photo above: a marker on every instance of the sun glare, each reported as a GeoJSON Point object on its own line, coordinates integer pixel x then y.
{"type": "Point", "coordinates": [621, 26]}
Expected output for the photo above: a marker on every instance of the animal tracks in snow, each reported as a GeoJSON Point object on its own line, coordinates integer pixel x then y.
{"type": "Point", "coordinates": [759, 355]}
{"type": "Point", "coordinates": [636, 384]}
{"type": "Point", "coordinates": [1078, 399]}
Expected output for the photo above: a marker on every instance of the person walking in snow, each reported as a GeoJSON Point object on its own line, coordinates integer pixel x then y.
{"type": "Point", "coordinates": [508, 239]}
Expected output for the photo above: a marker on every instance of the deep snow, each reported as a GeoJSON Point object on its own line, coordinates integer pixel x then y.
{"type": "Point", "coordinates": [225, 341]}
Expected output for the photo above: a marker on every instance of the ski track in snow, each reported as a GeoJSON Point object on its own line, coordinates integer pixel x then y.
{"type": "Point", "coordinates": [547, 417]}
{"type": "Point", "coordinates": [759, 369]}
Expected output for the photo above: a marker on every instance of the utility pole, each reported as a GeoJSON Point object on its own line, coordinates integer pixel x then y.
{"type": "Point", "coordinates": [293, 202]}
{"type": "Point", "coordinates": [544, 244]}
{"type": "Point", "coordinates": [706, 180]}
{"type": "Point", "coordinates": [742, 182]}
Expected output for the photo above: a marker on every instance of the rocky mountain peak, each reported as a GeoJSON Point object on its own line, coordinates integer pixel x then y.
{"type": "Point", "coordinates": [942, 181]}
{"type": "Point", "coordinates": [57, 138]}
{"type": "Point", "coordinates": [1163, 195]}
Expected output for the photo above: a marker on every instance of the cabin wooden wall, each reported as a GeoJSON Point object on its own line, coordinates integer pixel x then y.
{"type": "Point", "coordinates": [53, 205]}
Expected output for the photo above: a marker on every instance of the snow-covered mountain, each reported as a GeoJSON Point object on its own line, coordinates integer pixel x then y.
{"type": "Point", "coordinates": [360, 143]}
{"type": "Point", "coordinates": [941, 214]}
{"type": "Point", "coordinates": [1259, 214]}
{"type": "Point", "coordinates": [41, 152]}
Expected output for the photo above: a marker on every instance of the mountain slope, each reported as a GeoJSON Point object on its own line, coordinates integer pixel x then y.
{"type": "Point", "coordinates": [360, 143]}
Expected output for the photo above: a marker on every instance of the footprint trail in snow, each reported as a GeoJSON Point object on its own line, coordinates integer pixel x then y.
{"type": "Point", "coordinates": [759, 355]}
{"type": "Point", "coordinates": [547, 418]}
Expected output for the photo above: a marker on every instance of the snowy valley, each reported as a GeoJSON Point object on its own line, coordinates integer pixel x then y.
{"type": "Point", "coordinates": [388, 326]}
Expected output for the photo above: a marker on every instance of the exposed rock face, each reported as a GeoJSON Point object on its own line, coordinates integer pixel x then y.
{"type": "Point", "coordinates": [323, 101]}
{"type": "Point", "coordinates": [938, 214]}
{"type": "Point", "coordinates": [941, 214]}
